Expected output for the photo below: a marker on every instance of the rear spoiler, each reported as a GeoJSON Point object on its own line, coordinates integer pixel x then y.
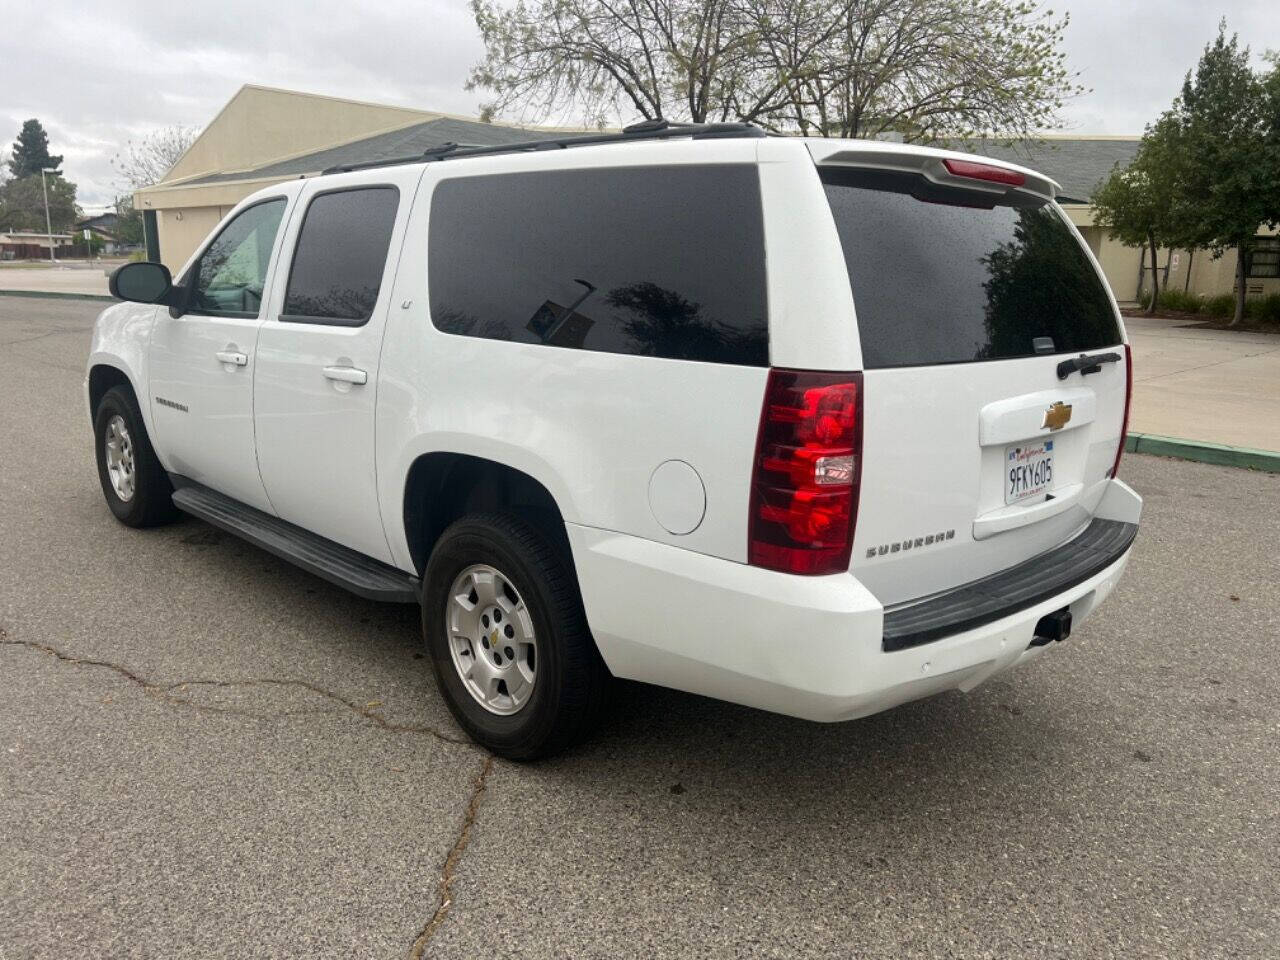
{"type": "Point", "coordinates": [943, 167]}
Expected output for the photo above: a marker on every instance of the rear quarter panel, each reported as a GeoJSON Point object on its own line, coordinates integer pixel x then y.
{"type": "Point", "coordinates": [591, 427]}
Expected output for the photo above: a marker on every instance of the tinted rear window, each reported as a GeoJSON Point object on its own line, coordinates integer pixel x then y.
{"type": "Point", "coordinates": [652, 261]}
{"type": "Point", "coordinates": [340, 256]}
{"type": "Point", "coordinates": [935, 281]}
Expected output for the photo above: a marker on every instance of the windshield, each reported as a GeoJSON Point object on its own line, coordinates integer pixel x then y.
{"type": "Point", "coordinates": [941, 275]}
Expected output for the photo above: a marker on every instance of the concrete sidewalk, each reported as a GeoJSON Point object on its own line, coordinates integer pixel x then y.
{"type": "Point", "coordinates": [1216, 386]}
{"type": "Point", "coordinates": [80, 278]}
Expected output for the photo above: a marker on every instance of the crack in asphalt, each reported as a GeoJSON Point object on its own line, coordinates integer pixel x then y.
{"type": "Point", "coordinates": [449, 870]}
{"type": "Point", "coordinates": [40, 336]}
{"type": "Point", "coordinates": [170, 693]}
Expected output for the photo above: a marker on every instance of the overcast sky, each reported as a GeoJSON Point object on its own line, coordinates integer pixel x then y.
{"type": "Point", "coordinates": [97, 74]}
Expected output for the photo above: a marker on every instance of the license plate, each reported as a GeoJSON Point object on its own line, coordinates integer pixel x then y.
{"type": "Point", "coordinates": [1028, 471]}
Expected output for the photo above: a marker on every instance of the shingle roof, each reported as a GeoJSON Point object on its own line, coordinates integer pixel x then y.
{"type": "Point", "coordinates": [1078, 165]}
{"type": "Point", "coordinates": [383, 146]}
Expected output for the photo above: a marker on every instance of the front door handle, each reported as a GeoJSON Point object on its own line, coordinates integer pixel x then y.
{"type": "Point", "coordinates": [233, 357]}
{"type": "Point", "coordinates": [346, 374]}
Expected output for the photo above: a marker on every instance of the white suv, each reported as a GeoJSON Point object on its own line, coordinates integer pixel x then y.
{"type": "Point", "coordinates": [816, 426]}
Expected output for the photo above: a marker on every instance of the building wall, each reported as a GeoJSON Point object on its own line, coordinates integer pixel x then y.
{"type": "Point", "coordinates": [1122, 265]}
{"type": "Point", "coordinates": [1210, 276]}
{"type": "Point", "coordinates": [1128, 269]}
{"type": "Point", "coordinates": [260, 124]}
{"type": "Point", "coordinates": [183, 230]}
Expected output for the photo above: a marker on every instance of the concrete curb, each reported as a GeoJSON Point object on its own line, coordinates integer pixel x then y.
{"type": "Point", "coordinates": [54, 295]}
{"type": "Point", "coordinates": [1203, 452]}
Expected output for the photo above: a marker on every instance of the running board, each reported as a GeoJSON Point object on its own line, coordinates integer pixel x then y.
{"type": "Point", "coordinates": [330, 561]}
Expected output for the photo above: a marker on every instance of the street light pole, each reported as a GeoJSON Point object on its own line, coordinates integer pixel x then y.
{"type": "Point", "coordinates": [48, 224]}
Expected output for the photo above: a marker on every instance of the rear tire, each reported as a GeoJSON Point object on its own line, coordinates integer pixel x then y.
{"type": "Point", "coordinates": [527, 685]}
{"type": "Point", "coordinates": [135, 485]}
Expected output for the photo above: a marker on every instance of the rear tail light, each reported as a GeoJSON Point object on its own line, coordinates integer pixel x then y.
{"type": "Point", "coordinates": [1128, 397]}
{"type": "Point", "coordinates": [984, 171]}
{"type": "Point", "coordinates": [804, 486]}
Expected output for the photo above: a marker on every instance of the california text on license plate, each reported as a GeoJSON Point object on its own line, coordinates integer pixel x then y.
{"type": "Point", "coordinates": [1028, 471]}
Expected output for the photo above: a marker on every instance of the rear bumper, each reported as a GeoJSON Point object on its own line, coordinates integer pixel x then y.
{"type": "Point", "coordinates": [810, 647]}
{"type": "Point", "coordinates": [1010, 591]}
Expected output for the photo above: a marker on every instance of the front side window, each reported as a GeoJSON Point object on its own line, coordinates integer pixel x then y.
{"type": "Point", "coordinates": [232, 272]}
{"type": "Point", "coordinates": [650, 261]}
{"type": "Point", "coordinates": [340, 257]}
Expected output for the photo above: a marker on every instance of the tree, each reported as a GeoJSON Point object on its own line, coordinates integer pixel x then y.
{"type": "Point", "coordinates": [22, 204]}
{"type": "Point", "coordinates": [31, 152]}
{"type": "Point", "coordinates": [1271, 113]}
{"type": "Point", "coordinates": [1229, 168]}
{"type": "Point", "coordinates": [147, 161]}
{"type": "Point", "coordinates": [1140, 203]}
{"type": "Point", "coordinates": [129, 226]}
{"type": "Point", "coordinates": [926, 69]}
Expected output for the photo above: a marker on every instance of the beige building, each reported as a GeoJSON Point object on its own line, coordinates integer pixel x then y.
{"type": "Point", "coordinates": [264, 136]}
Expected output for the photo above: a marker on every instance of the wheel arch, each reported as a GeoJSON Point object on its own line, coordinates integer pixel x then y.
{"type": "Point", "coordinates": [442, 486]}
{"type": "Point", "coordinates": [103, 375]}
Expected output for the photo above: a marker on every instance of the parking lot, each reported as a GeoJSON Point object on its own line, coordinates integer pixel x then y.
{"type": "Point", "coordinates": [207, 753]}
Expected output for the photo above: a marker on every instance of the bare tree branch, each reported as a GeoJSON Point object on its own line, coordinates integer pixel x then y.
{"type": "Point", "coordinates": [923, 69]}
{"type": "Point", "coordinates": [148, 160]}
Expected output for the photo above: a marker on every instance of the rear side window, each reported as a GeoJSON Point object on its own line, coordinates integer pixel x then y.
{"type": "Point", "coordinates": [651, 261]}
{"type": "Point", "coordinates": [939, 278]}
{"type": "Point", "coordinates": [340, 257]}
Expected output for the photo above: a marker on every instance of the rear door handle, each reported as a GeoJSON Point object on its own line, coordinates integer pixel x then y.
{"type": "Point", "coordinates": [346, 374]}
{"type": "Point", "coordinates": [233, 357]}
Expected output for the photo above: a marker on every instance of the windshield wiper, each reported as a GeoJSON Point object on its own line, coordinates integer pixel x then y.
{"type": "Point", "coordinates": [1086, 364]}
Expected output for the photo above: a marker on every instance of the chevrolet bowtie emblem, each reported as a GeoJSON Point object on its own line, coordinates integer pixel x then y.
{"type": "Point", "coordinates": [1056, 417]}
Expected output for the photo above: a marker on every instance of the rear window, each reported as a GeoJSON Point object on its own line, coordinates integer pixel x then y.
{"type": "Point", "coordinates": [937, 279]}
{"type": "Point", "coordinates": [651, 261]}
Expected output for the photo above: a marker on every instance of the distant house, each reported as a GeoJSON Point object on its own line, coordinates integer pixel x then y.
{"type": "Point", "coordinates": [106, 227]}
{"type": "Point", "coordinates": [26, 245]}
{"type": "Point", "coordinates": [265, 136]}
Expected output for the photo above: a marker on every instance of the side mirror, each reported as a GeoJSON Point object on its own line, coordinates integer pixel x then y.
{"type": "Point", "coordinates": [142, 282]}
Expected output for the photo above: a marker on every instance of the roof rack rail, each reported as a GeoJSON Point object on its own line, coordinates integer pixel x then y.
{"type": "Point", "coordinates": [645, 130]}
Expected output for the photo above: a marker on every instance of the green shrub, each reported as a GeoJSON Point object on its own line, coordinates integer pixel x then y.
{"type": "Point", "coordinates": [1177, 300]}
{"type": "Point", "coordinates": [1223, 305]}
{"type": "Point", "coordinates": [1264, 309]}
{"type": "Point", "coordinates": [1260, 309]}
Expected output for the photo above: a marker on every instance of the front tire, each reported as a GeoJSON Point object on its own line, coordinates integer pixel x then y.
{"type": "Point", "coordinates": [508, 638]}
{"type": "Point", "coordinates": [135, 485]}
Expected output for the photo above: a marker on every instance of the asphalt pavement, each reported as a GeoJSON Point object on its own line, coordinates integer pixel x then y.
{"type": "Point", "coordinates": [205, 752]}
